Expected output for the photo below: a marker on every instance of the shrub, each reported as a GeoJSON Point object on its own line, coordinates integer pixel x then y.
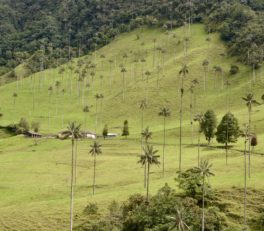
{"type": "Point", "coordinates": [234, 69]}
{"type": "Point", "coordinates": [91, 209]}
{"type": "Point", "coordinates": [22, 127]}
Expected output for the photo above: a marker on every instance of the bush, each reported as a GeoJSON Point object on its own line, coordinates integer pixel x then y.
{"type": "Point", "coordinates": [22, 127]}
{"type": "Point", "coordinates": [234, 69]}
{"type": "Point", "coordinates": [91, 209]}
{"type": "Point", "coordinates": [35, 126]}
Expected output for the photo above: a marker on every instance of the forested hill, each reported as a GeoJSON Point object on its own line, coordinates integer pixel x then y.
{"type": "Point", "coordinates": [56, 30]}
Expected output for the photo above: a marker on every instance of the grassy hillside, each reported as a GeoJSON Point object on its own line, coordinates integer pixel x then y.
{"type": "Point", "coordinates": [34, 180]}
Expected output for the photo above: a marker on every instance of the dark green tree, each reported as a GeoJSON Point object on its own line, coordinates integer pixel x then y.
{"type": "Point", "coordinates": [227, 131]}
{"type": "Point", "coordinates": [125, 131]}
{"type": "Point", "coordinates": [105, 131]}
{"type": "Point", "coordinates": [208, 125]}
{"type": "Point", "coordinates": [85, 111]}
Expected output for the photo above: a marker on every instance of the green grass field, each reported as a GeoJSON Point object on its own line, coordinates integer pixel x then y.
{"type": "Point", "coordinates": [35, 180]}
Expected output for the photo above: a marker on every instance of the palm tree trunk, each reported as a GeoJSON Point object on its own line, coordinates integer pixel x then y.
{"type": "Point", "coordinates": [148, 183]}
{"type": "Point", "coordinates": [94, 174]}
{"type": "Point", "coordinates": [191, 117]}
{"type": "Point", "coordinates": [199, 149]}
{"type": "Point", "coordinates": [72, 189]}
{"type": "Point", "coordinates": [203, 207]}
{"type": "Point", "coordinates": [96, 119]}
{"type": "Point", "coordinates": [226, 152]}
{"type": "Point", "coordinates": [205, 75]}
{"type": "Point", "coordinates": [180, 155]}
{"type": "Point", "coordinates": [123, 86]}
{"type": "Point", "coordinates": [164, 138]}
{"type": "Point", "coordinates": [75, 164]}
{"type": "Point", "coordinates": [249, 143]}
{"type": "Point", "coordinates": [245, 183]}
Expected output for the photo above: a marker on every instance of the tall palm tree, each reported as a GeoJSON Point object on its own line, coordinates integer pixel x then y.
{"type": "Point", "coordinates": [74, 132]}
{"type": "Point", "coordinates": [149, 158]}
{"type": "Point", "coordinates": [50, 89]}
{"type": "Point", "coordinates": [199, 118]}
{"type": "Point", "coordinates": [57, 85]}
{"type": "Point", "coordinates": [148, 74]}
{"type": "Point", "coordinates": [227, 84]}
{"type": "Point", "coordinates": [95, 150]}
{"type": "Point", "coordinates": [219, 72]}
{"type": "Point", "coordinates": [97, 97]}
{"type": "Point", "coordinates": [246, 135]}
{"type": "Point", "coordinates": [123, 71]}
{"type": "Point", "coordinates": [85, 110]}
{"type": "Point", "coordinates": [142, 107]}
{"type": "Point", "coordinates": [142, 67]}
{"type": "Point", "coordinates": [250, 101]}
{"type": "Point", "coordinates": [194, 82]}
{"type": "Point", "coordinates": [205, 171]}
{"type": "Point", "coordinates": [165, 112]}
{"type": "Point", "coordinates": [146, 135]}
{"type": "Point", "coordinates": [183, 73]}
{"type": "Point", "coordinates": [205, 67]}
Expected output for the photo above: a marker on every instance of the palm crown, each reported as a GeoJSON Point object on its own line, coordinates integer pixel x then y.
{"type": "Point", "coordinates": [149, 156]}
{"type": "Point", "coordinates": [74, 131]}
{"type": "Point", "coordinates": [146, 134]}
{"type": "Point", "coordinates": [165, 112]}
{"type": "Point", "coordinates": [205, 169]}
{"type": "Point", "coordinates": [249, 99]}
{"type": "Point", "coordinates": [95, 149]}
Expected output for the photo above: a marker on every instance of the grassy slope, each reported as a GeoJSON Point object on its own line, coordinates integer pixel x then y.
{"type": "Point", "coordinates": [34, 180]}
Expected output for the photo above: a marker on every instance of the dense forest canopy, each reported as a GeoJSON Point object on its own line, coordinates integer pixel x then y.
{"type": "Point", "coordinates": [61, 29]}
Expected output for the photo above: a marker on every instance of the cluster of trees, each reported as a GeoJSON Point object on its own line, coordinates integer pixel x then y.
{"type": "Point", "coordinates": [195, 208]}
{"type": "Point", "coordinates": [56, 31]}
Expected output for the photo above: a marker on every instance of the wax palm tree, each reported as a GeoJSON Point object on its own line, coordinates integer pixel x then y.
{"type": "Point", "coordinates": [85, 110]}
{"type": "Point", "coordinates": [62, 113]}
{"type": "Point", "coordinates": [205, 67]}
{"type": "Point", "coordinates": [95, 150]}
{"type": "Point", "coordinates": [199, 118]}
{"type": "Point", "coordinates": [194, 82]}
{"type": "Point", "coordinates": [250, 101]}
{"type": "Point", "coordinates": [142, 67]}
{"type": "Point", "coordinates": [149, 158]}
{"type": "Point", "coordinates": [164, 112]}
{"type": "Point", "coordinates": [245, 134]}
{"type": "Point", "coordinates": [123, 71]}
{"type": "Point", "coordinates": [97, 97]}
{"type": "Point", "coordinates": [148, 74]}
{"type": "Point", "coordinates": [74, 132]}
{"type": "Point", "coordinates": [57, 85]}
{"type": "Point", "coordinates": [146, 136]}
{"type": "Point", "coordinates": [183, 73]}
{"type": "Point", "coordinates": [101, 108]}
{"type": "Point", "coordinates": [178, 221]}
{"type": "Point", "coordinates": [50, 89]}
{"type": "Point", "coordinates": [227, 84]}
{"type": "Point", "coordinates": [219, 72]}
{"type": "Point", "coordinates": [205, 171]}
